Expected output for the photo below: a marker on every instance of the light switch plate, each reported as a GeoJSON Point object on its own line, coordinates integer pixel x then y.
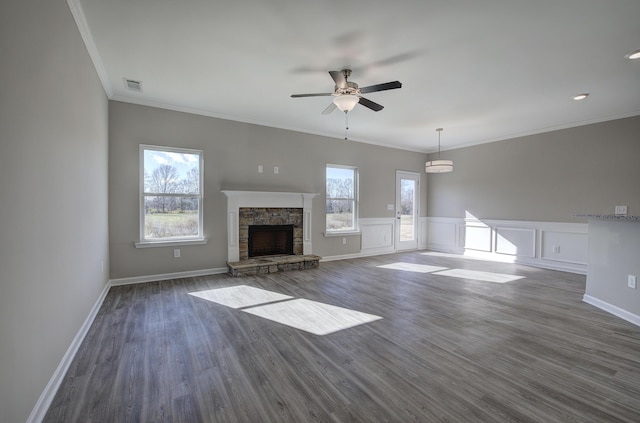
{"type": "Point", "coordinates": [390, 207]}
{"type": "Point", "coordinates": [631, 281]}
{"type": "Point", "coordinates": [276, 170]}
{"type": "Point", "coordinates": [621, 210]}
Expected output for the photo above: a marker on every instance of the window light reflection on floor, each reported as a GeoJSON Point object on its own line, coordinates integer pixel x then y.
{"type": "Point", "coordinates": [412, 267]}
{"type": "Point", "coordinates": [456, 273]}
{"type": "Point", "coordinates": [479, 276]}
{"type": "Point", "coordinates": [309, 316]}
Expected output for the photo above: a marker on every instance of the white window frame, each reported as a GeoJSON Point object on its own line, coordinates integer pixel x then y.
{"type": "Point", "coordinates": [355, 199]}
{"type": "Point", "coordinates": [186, 240]}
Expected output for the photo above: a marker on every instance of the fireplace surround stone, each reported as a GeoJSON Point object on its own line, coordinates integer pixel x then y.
{"type": "Point", "coordinates": [271, 216]}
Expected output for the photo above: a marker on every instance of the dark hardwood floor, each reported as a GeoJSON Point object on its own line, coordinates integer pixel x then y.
{"type": "Point", "coordinates": [446, 350]}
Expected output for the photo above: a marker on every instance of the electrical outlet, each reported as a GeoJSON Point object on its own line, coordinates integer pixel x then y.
{"type": "Point", "coordinates": [621, 210]}
{"type": "Point", "coordinates": [556, 248]}
{"type": "Point", "coordinates": [631, 281]}
{"type": "Point", "coordinates": [344, 241]}
{"type": "Point", "coordinates": [176, 252]}
{"type": "Point", "coordinates": [260, 169]}
{"type": "Point", "coordinates": [276, 170]}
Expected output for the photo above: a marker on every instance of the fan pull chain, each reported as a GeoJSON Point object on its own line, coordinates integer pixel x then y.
{"type": "Point", "coordinates": [346, 125]}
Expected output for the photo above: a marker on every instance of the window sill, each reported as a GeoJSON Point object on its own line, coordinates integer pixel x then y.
{"type": "Point", "coordinates": [345, 233]}
{"type": "Point", "coordinates": [153, 244]}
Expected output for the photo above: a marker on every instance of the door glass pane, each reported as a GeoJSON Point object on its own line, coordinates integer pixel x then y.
{"type": "Point", "coordinates": [407, 207]}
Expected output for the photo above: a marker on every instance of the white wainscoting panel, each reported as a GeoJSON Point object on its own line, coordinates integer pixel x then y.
{"type": "Point", "coordinates": [515, 241]}
{"type": "Point", "coordinates": [377, 235]}
{"type": "Point", "coordinates": [422, 233]}
{"type": "Point", "coordinates": [524, 242]}
{"type": "Point", "coordinates": [443, 234]}
{"type": "Point", "coordinates": [571, 247]}
{"type": "Point", "coordinates": [478, 236]}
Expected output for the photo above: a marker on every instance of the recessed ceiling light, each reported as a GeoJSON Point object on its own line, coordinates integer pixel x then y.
{"type": "Point", "coordinates": [633, 55]}
{"type": "Point", "coordinates": [580, 96]}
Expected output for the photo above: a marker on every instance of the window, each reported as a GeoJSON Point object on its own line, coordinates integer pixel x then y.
{"type": "Point", "coordinates": [342, 199]}
{"type": "Point", "coordinates": [170, 194]}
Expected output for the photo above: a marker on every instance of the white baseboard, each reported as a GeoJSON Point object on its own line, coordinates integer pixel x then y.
{"type": "Point", "coordinates": [609, 308]}
{"type": "Point", "coordinates": [41, 407]}
{"type": "Point", "coordinates": [578, 269]}
{"type": "Point", "coordinates": [167, 276]}
{"type": "Point", "coordinates": [445, 249]}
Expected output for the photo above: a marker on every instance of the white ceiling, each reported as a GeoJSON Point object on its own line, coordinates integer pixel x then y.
{"type": "Point", "coordinates": [482, 70]}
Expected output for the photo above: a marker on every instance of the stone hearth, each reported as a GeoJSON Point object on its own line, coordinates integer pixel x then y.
{"type": "Point", "coordinates": [265, 265]}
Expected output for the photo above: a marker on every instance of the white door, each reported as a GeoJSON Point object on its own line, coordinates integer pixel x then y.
{"type": "Point", "coordinates": [407, 201]}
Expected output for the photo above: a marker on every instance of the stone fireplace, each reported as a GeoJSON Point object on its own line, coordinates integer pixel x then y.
{"type": "Point", "coordinates": [268, 231]}
{"type": "Point", "coordinates": [267, 208]}
{"type": "Point", "coordinates": [269, 240]}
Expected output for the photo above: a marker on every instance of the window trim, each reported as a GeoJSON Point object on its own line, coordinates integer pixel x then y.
{"type": "Point", "coordinates": [174, 241]}
{"type": "Point", "coordinates": [355, 199]}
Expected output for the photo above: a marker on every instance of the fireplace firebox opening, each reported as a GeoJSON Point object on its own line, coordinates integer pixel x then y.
{"type": "Point", "coordinates": [270, 240]}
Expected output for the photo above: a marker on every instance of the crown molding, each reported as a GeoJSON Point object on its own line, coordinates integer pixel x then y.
{"type": "Point", "coordinates": [85, 33]}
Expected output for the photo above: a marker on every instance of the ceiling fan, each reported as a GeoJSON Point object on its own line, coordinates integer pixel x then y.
{"type": "Point", "coordinates": [347, 94]}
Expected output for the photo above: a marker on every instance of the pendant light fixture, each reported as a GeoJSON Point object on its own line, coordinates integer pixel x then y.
{"type": "Point", "coordinates": [438, 166]}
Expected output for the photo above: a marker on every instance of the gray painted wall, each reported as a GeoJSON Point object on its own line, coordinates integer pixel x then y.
{"type": "Point", "coordinates": [53, 195]}
{"type": "Point", "coordinates": [544, 177]}
{"type": "Point", "coordinates": [549, 177]}
{"type": "Point", "coordinates": [232, 152]}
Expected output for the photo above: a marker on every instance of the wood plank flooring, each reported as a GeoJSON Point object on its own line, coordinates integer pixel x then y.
{"type": "Point", "coordinates": [446, 350]}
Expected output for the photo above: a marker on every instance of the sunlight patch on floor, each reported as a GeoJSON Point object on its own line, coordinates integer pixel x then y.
{"type": "Point", "coordinates": [312, 316]}
{"type": "Point", "coordinates": [412, 267]}
{"type": "Point", "coordinates": [479, 276]}
{"type": "Point", "coordinates": [240, 296]}
{"type": "Point", "coordinates": [470, 255]}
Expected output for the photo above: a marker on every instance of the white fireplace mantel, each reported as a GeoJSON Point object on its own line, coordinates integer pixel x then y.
{"type": "Point", "coordinates": [237, 199]}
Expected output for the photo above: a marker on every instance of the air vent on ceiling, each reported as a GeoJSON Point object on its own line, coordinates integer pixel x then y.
{"type": "Point", "coordinates": [133, 85]}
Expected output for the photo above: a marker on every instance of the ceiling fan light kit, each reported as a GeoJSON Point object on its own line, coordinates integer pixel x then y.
{"type": "Point", "coordinates": [438, 166]}
{"type": "Point", "coordinates": [347, 94]}
{"type": "Point", "coordinates": [346, 102]}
